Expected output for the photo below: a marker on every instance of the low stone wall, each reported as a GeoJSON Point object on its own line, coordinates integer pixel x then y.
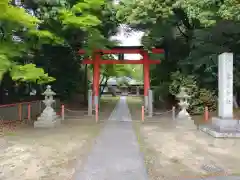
{"type": "Point", "coordinates": [20, 111]}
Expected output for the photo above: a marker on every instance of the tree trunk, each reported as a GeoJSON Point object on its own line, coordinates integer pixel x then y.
{"type": "Point", "coordinates": [104, 85]}
{"type": "Point", "coordinates": [235, 104]}
{"type": "Point", "coordinates": [85, 93]}
{"type": "Point", "coordinates": [237, 96]}
{"type": "Point", "coordinates": [1, 93]}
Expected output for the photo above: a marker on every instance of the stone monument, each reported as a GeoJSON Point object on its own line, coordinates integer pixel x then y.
{"type": "Point", "coordinates": [48, 118]}
{"type": "Point", "coordinates": [146, 103]}
{"type": "Point", "coordinates": [183, 103]}
{"type": "Point", "coordinates": [224, 125]}
{"type": "Point", "coordinates": [138, 91]}
{"type": "Point", "coordinates": [150, 103]}
{"type": "Point", "coordinates": [90, 104]}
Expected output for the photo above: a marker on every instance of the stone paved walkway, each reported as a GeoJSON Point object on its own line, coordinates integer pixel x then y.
{"type": "Point", "coordinates": [215, 178]}
{"type": "Point", "coordinates": [116, 154]}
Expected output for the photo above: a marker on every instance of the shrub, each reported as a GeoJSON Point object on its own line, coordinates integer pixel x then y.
{"type": "Point", "coordinates": [200, 97]}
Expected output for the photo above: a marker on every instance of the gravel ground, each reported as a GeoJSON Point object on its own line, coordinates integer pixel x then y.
{"type": "Point", "coordinates": [48, 154]}
{"type": "Point", "coordinates": [181, 151]}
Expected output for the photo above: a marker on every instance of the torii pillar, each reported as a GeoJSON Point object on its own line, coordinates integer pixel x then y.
{"type": "Point", "coordinates": [146, 68]}
{"type": "Point", "coordinates": [96, 78]}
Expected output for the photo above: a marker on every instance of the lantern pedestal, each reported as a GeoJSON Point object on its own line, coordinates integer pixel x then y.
{"type": "Point", "coordinates": [183, 97]}
{"type": "Point", "coordinates": [48, 118]}
{"type": "Point", "coordinates": [183, 115]}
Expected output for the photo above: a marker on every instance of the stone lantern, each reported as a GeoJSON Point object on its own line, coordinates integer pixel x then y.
{"type": "Point", "coordinates": [48, 118]}
{"type": "Point", "coordinates": [183, 103]}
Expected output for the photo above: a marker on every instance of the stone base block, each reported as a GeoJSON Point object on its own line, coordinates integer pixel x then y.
{"type": "Point", "coordinates": [215, 132]}
{"type": "Point", "coordinates": [146, 103]}
{"type": "Point", "coordinates": [183, 118]}
{"type": "Point", "coordinates": [46, 123]}
{"type": "Point", "coordinates": [222, 128]}
{"type": "Point", "coordinates": [225, 124]}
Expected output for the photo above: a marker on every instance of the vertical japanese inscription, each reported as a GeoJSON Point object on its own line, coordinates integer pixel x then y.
{"type": "Point", "coordinates": [229, 81]}
{"type": "Point", "coordinates": [225, 85]}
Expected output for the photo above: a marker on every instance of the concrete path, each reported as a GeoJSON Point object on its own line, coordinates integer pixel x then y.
{"type": "Point", "coordinates": [215, 178]}
{"type": "Point", "coordinates": [116, 154]}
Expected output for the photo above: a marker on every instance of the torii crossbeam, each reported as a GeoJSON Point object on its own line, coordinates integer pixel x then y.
{"type": "Point", "coordinates": [97, 61]}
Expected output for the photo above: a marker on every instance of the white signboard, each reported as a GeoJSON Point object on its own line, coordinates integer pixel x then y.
{"type": "Point", "coordinates": [225, 85]}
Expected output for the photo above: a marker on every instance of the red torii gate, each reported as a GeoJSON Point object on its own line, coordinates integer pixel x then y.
{"type": "Point", "coordinates": [97, 61]}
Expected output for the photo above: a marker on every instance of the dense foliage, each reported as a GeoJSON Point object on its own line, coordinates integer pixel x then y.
{"type": "Point", "coordinates": [15, 21]}
{"type": "Point", "coordinates": [42, 37]}
{"type": "Point", "coordinates": [40, 40]}
{"type": "Point", "coordinates": [193, 33]}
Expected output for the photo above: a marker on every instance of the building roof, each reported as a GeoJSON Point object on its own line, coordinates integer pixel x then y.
{"type": "Point", "coordinates": [114, 81]}
{"type": "Point", "coordinates": [130, 47]}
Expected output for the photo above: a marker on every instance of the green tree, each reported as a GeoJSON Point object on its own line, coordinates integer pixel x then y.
{"type": "Point", "coordinates": [80, 25]}
{"type": "Point", "coordinates": [12, 20]}
{"type": "Point", "coordinates": [192, 34]}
